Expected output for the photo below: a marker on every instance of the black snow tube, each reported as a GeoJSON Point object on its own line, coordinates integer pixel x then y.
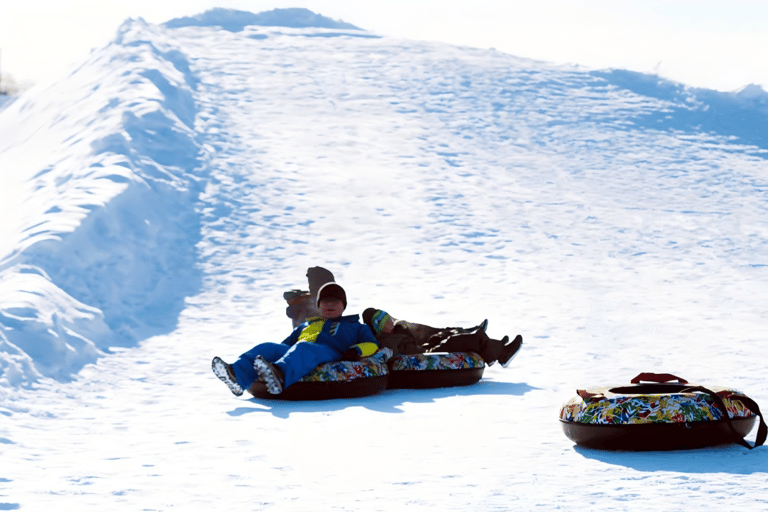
{"type": "Point", "coordinates": [340, 379]}
{"type": "Point", "coordinates": [435, 370]}
{"type": "Point", "coordinates": [655, 413]}
{"type": "Point", "coordinates": [329, 390]}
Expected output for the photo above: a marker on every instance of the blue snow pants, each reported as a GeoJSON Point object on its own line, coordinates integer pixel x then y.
{"type": "Point", "coordinates": [295, 362]}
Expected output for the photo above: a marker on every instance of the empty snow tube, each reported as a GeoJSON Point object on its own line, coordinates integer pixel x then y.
{"type": "Point", "coordinates": [655, 413]}
{"type": "Point", "coordinates": [435, 370]}
{"type": "Point", "coordinates": [340, 379]}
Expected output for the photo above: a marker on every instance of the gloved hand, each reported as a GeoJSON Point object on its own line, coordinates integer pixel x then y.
{"type": "Point", "coordinates": [351, 354]}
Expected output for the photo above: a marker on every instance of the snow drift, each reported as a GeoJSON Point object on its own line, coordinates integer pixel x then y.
{"type": "Point", "coordinates": [102, 252]}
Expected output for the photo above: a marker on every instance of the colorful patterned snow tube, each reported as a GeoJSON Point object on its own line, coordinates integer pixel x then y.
{"type": "Point", "coordinates": [435, 370]}
{"type": "Point", "coordinates": [340, 379]}
{"type": "Point", "coordinates": [655, 413]}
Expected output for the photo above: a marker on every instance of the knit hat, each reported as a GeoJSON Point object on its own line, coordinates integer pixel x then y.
{"type": "Point", "coordinates": [331, 290]}
{"type": "Point", "coordinates": [376, 319]}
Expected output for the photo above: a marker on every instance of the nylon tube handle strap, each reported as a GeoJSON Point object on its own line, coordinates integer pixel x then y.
{"type": "Point", "coordinates": [762, 429]}
{"type": "Point", "coordinates": [659, 378]}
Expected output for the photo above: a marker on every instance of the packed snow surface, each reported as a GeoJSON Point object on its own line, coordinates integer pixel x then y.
{"type": "Point", "coordinates": [158, 201]}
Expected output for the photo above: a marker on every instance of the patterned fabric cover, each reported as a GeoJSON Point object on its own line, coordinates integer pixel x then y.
{"type": "Point", "coordinates": [606, 408]}
{"type": "Point", "coordinates": [372, 366]}
{"type": "Point", "coordinates": [438, 361]}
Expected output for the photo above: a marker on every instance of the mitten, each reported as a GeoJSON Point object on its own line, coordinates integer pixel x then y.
{"type": "Point", "coordinates": [351, 354]}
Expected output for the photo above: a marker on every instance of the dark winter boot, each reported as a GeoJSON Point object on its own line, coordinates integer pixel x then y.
{"type": "Point", "coordinates": [510, 350]}
{"type": "Point", "coordinates": [317, 277]}
{"type": "Point", "coordinates": [489, 349]}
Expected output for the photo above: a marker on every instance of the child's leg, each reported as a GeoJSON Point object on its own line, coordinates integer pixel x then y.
{"type": "Point", "coordinates": [243, 367]}
{"type": "Point", "coordinates": [478, 342]}
{"type": "Point", "coordinates": [302, 358]}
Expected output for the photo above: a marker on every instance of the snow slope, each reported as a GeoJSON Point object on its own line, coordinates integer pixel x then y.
{"type": "Point", "coordinates": [158, 200]}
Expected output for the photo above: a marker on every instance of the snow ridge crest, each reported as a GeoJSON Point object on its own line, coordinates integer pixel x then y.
{"type": "Point", "coordinates": [118, 207]}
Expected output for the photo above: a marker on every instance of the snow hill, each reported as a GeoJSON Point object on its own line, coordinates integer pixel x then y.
{"type": "Point", "coordinates": [158, 200]}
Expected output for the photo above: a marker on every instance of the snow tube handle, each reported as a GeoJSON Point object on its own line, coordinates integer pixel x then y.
{"type": "Point", "coordinates": [659, 378]}
{"type": "Point", "coordinates": [762, 429]}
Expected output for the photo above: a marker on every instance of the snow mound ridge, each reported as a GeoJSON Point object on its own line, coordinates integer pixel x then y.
{"type": "Point", "coordinates": [740, 113]}
{"type": "Point", "coordinates": [106, 252]}
{"type": "Point", "coordinates": [235, 21]}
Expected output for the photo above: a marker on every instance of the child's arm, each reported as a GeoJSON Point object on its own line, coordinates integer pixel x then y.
{"type": "Point", "coordinates": [366, 344]}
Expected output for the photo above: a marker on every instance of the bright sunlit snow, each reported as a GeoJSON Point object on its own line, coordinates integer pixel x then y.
{"type": "Point", "coordinates": [158, 201]}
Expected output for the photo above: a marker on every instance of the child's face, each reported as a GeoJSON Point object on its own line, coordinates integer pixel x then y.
{"type": "Point", "coordinates": [389, 325]}
{"type": "Point", "coordinates": [331, 308]}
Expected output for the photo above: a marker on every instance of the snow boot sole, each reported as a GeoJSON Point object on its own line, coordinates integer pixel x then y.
{"type": "Point", "coordinates": [224, 372]}
{"type": "Point", "coordinates": [268, 372]}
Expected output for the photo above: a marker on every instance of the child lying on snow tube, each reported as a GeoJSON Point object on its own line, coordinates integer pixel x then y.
{"type": "Point", "coordinates": [405, 337]}
{"type": "Point", "coordinates": [327, 338]}
{"type": "Point", "coordinates": [428, 357]}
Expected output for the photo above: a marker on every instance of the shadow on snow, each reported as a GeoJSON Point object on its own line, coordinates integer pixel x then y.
{"type": "Point", "coordinates": [389, 401]}
{"type": "Point", "coordinates": [730, 458]}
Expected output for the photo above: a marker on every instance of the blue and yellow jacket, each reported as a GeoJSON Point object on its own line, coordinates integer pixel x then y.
{"type": "Point", "coordinates": [339, 333]}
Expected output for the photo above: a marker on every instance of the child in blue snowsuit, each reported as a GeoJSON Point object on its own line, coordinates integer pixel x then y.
{"type": "Point", "coordinates": [329, 337]}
